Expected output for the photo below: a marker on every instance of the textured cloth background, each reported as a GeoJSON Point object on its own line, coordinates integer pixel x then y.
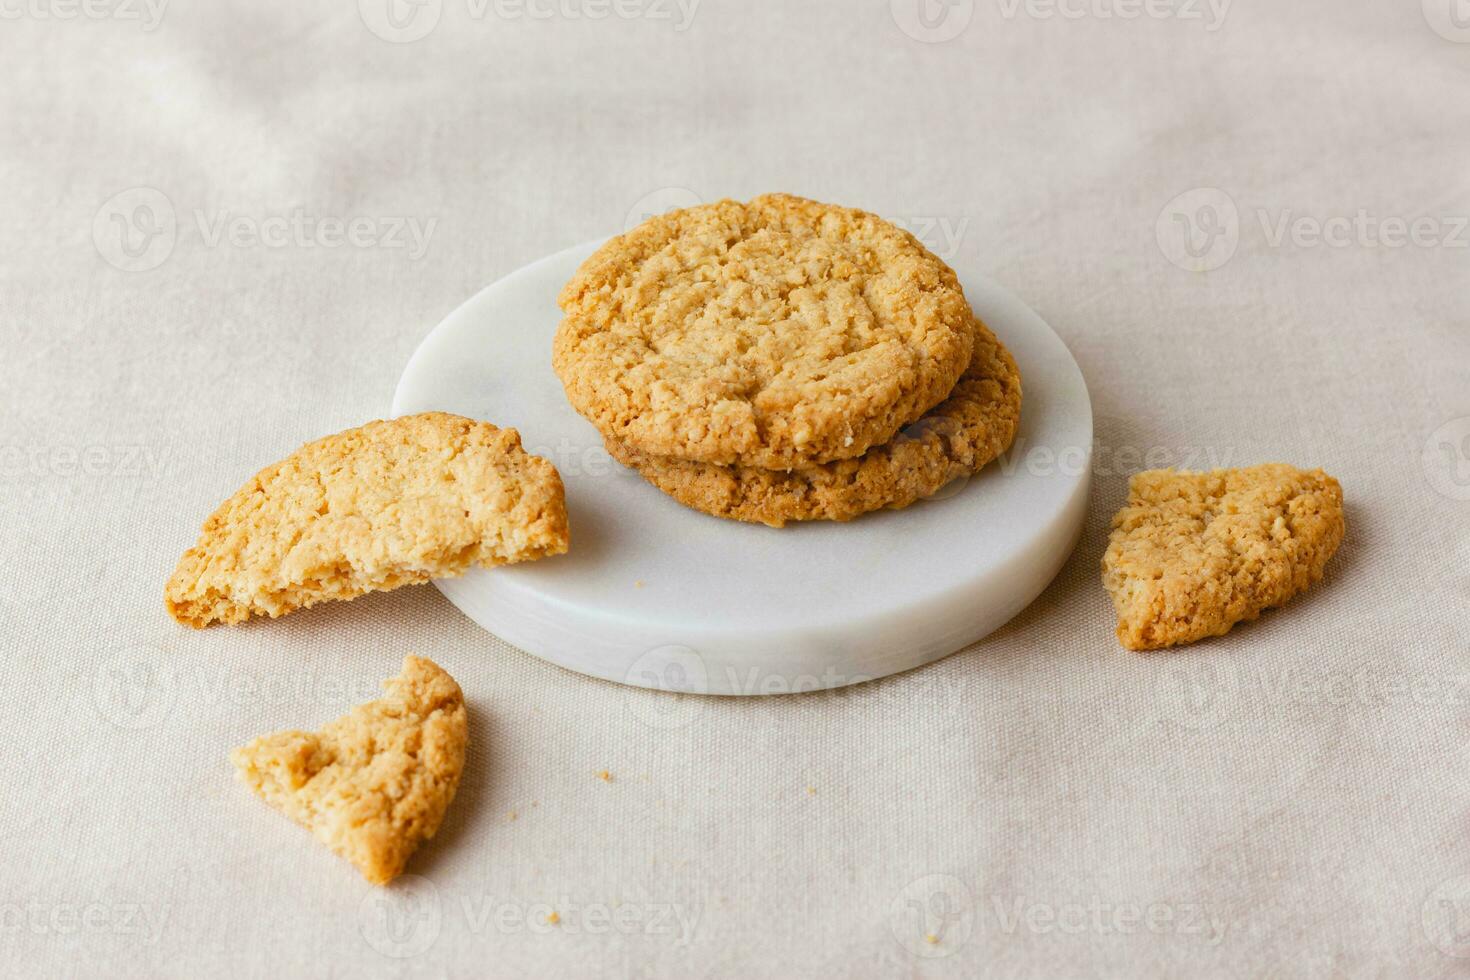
{"type": "Point", "coordinates": [1292, 799]}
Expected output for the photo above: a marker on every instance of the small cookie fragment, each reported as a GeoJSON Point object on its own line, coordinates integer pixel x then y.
{"type": "Point", "coordinates": [1192, 554]}
{"type": "Point", "coordinates": [375, 783]}
{"type": "Point", "coordinates": [370, 509]}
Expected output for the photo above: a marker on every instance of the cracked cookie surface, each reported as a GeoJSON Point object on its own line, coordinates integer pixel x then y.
{"type": "Point", "coordinates": [956, 438]}
{"type": "Point", "coordinates": [376, 782]}
{"type": "Point", "coordinates": [1192, 554]}
{"type": "Point", "coordinates": [373, 508]}
{"type": "Point", "coordinates": [775, 333]}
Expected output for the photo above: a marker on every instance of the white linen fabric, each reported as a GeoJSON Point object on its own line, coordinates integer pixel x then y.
{"type": "Point", "coordinates": [229, 224]}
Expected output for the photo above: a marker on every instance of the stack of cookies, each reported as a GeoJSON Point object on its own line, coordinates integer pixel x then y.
{"type": "Point", "coordinates": [784, 360]}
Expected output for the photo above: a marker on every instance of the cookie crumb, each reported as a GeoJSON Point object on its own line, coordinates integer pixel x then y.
{"type": "Point", "coordinates": [811, 791]}
{"type": "Point", "coordinates": [931, 939]}
{"type": "Point", "coordinates": [512, 815]}
{"type": "Point", "coordinates": [638, 584]}
{"type": "Point", "coordinates": [553, 918]}
{"type": "Point", "coordinates": [605, 776]}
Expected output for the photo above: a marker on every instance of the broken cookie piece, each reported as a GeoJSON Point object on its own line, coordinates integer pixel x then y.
{"type": "Point", "coordinates": [375, 783]}
{"type": "Point", "coordinates": [388, 504]}
{"type": "Point", "coordinates": [1192, 554]}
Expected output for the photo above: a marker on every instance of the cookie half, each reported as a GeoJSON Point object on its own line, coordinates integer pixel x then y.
{"type": "Point", "coordinates": [975, 424]}
{"type": "Point", "coordinates": [375, 783]}
{"type": "Point", "coordinates": [777, 333]}
{"type": "Point", "coordinates": [388, 504]}
{"type": "Point", "coordinates": [1192, 554]}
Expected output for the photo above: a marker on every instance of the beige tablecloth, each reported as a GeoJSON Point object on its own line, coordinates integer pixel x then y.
{"type": "Point", "coordinates": [228, 225]}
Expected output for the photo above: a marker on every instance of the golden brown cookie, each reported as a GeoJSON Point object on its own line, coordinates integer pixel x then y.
{"type": "Point", "coordinates": [374, 783]}
{"type": "Point", "coordinates": [956, 438]}
{"type": "Point", "coordinates": [388, 504]}
{"type": "Point", "coordinates": [1192, 554]}
{"type": "Point", "coordinates": [778, 333]}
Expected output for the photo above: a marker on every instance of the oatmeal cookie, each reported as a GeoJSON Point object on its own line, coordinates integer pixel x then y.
{"type": "Point", "coordinates": [955, 439]}
{"type": "Point", "coordinates": [777, 333]}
